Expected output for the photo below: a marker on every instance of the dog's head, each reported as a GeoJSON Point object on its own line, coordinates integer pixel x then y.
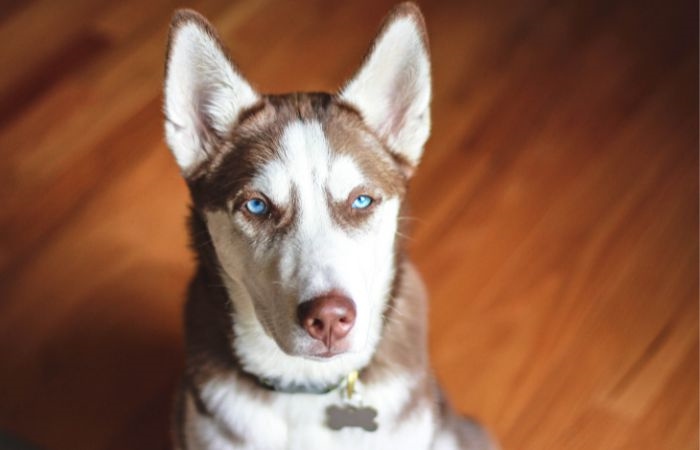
{"type": "Point", "coordinates": [301, 193]}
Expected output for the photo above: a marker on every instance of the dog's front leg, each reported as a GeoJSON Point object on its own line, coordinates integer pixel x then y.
{"type": "Point", "coordinates": [197, 428]}
{"type": "Point", "coordinates": [219, 415]}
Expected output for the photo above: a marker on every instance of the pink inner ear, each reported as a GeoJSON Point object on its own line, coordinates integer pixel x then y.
{"type": "Point", "coordinates": [398, 109]}
{"type": "Point", "coordinates": [396, 121]}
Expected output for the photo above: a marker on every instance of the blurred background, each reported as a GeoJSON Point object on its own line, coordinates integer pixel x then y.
{"type": "Point", "coordinates": [556, 211]}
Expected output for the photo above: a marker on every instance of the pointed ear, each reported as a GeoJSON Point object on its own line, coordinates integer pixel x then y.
{"type": "Point", "coordinates": [392, 88]}
{"type": "Point", "coordinates": [203, 91]}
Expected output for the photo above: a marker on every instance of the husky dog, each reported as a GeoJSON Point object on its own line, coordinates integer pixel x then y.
{"type": "Point", "coordinates": [305, 322]}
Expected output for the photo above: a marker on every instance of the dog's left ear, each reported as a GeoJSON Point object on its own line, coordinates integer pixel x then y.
{"type": "Point", "coordinates": [392, 88]}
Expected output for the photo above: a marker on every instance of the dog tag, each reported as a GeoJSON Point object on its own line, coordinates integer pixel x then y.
{"type": "Point", "coordinates": [338, 417]}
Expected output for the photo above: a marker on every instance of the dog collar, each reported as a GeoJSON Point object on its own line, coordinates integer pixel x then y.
{"type": "Point", "coordinates": [349, 413]}
{"type": "Point", "coordinates": [348, 382]}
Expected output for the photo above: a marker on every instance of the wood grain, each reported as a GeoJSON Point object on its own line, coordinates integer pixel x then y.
{"type": "Point", "coordinates": [555, 214]}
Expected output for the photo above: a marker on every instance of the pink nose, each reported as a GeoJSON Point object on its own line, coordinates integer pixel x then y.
{"type": "Point", "coordinates": [327, 318]}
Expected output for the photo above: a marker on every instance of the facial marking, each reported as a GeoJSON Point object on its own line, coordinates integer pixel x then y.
{"type": "Point", "coordinates": [274, 181]}
{"type": "Point", "coordinates": [344, 176]}
{"type": "Point", "coordinates": [306, 155]}
{"type": "Point", "coordinates": [309, 168]}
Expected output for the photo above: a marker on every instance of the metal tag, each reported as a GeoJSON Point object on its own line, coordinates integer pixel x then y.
{"type": "Point", "coordinates": [338, 417]}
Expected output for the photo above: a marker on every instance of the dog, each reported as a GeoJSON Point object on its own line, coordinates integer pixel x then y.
{"type": "Point", "coordinates": [305, 321]}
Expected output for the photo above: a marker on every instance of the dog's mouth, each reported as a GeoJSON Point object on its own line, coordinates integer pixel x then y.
{"type": "Point", "coordinates": [305, 346]}
{"type": "Point", "coordinates": [325, 356]}
{"type": "Point", "coordinates": [324, 352]}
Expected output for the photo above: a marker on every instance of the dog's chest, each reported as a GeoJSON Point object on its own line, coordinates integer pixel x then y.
{"type": "Point", "coordinates": [302, 421]}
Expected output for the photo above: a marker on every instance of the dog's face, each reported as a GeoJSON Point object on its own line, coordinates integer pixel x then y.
{"type": "Point", "coordinates": [301, 193]}
{"type": "Point", "coordinates": [313, 214]}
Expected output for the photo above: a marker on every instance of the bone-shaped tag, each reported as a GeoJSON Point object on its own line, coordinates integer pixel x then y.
{"type": "Point", "coordinates": [338, 417]}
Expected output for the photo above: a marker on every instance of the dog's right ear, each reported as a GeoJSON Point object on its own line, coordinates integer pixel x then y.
{"type": "Point", "coordinates": [204, 93]}
{"type": "Point", "coordinates": [392, 89]}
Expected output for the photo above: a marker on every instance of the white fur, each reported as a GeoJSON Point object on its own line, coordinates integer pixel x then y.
{"type": "Point", "coordinates": [274, 181]}
{"type": "Point", "coordinates": [297, 421]}
{"type": "Point", "coordinates": [344, 177]}
{"type": "Point", "coordinates": [392, 90]}
{"type": "Point", "coordinates": [445, 441]}
{"type": "Point", "coordinates": [267, 283]}
{"type": "Point", "coordinates": [203, 93]}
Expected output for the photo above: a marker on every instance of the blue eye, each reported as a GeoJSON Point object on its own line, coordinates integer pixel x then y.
{"type": "Point", "coordinates": [362, 202]}
{"type": "Point", "coordinates": [256, 206]}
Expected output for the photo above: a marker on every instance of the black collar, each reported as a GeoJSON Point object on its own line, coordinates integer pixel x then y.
{"type": "Point", "coordinates": [348, 382]}
{"type": "Point", "coordinates": [298, 388]}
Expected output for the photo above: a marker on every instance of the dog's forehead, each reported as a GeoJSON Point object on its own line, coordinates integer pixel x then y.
{"type": "Point", "coordinates": [288, 140]}
{"type": "Point", "coordinates": [307, 160]}
{"type": "Point", "coordinates": [315, 138]}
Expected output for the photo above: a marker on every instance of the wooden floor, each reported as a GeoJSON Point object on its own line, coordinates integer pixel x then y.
{"type": "Point", "coordinates": [556, 211]}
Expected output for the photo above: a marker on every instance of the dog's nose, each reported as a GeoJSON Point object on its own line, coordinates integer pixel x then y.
{"type": "Point", "coordinates": [327, 318]}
